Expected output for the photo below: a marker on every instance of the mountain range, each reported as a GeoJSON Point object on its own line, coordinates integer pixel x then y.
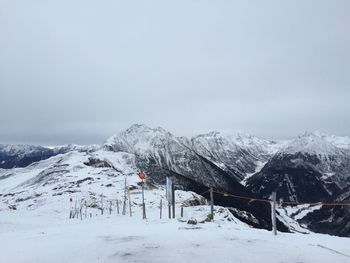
{"type": "Point", "coordinates": [312, 167]}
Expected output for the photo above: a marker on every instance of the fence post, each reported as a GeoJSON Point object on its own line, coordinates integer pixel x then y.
{"type": "Point", "coordinates": [273, 213]}
{"type": "Point", "coordinates": [124, 202]}
{"type": "Point", "coordinates": [102, 204]}
{"type": "Point", "coordinates": [161, 204]}
{"type": "Point", "coordinates": [211, 204]}
{"type": "Point", "coordinates": [129, 201]}
{"type": "Point", "coordinates": [173, 199]}
{"type": "Point", "coordinates": [182, 211]}
{"type": "Point", "coordinates": [85, 209]}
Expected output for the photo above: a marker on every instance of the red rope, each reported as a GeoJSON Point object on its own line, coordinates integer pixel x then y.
{"type": "Point", "coordinates": [284, 202]}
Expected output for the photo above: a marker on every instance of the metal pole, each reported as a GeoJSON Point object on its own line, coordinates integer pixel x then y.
{"type": "Point", "coordinates": [211, 204]}
{"type": "Point", "coordinates": [273, 213]}
{"type": "Point", "coordinates": [143, 201]}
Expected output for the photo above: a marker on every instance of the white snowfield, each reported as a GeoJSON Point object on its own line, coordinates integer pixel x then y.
{"type": "Point", "coordinates": [44, 236]}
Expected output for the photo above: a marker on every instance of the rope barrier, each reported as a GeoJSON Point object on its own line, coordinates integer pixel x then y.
{"type": "Point", "coordinates": [251, 199]}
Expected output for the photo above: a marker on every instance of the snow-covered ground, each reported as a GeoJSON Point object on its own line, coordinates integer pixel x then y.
{"type": "Point", "coordinates": [45, 236]}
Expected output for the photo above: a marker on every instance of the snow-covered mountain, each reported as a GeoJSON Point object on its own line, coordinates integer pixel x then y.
{"type": "Point", "coordinates": [160, 153]}
{"type": "Point", "coordinates": [311, 168]}
{"type": "Point", "coordinates": [237, 153]}
{"type": "Point", "coordinates": [22, 155]}
{"type": "Point", "coordinates": [159, 149]}
{"type": "Point", "coordinates": [310, 159]}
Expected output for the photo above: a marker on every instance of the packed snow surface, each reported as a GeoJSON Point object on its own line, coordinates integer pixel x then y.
{"type": "Point", "coordinates": [43, 237]}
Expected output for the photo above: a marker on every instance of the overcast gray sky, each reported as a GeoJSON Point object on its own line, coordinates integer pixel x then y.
{"type": "Point", "coordinates": [80, 71]}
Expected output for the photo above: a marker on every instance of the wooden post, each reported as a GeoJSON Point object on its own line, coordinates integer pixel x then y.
{"type": "Point", "coordinates": [81, 210]}
{"type": "Point", "coordinates": [161, 204]}
{"type": "Point", "coordinates": [85, 208]}
{"type": "Point", "coordinates": [70, 208]}
{"type": "Point", "coordinates": [173, 195]}
{"type": "Point", "coordinates": [102, 204]}
{"type": "Point", "coordinates": [75, 208]}
{"type": "Point", "coordinates": [130, 212]}
{"type": "Point", "coordinates": [211, 204]}
{"type": "Point", "coordinates": [273, 213]}
{"type": "Point", "coordinates": [124, 203]}
{"type": "Point", "coordinates": [182, 211]}
{"type": "Point", "coordinates": [169, 210]}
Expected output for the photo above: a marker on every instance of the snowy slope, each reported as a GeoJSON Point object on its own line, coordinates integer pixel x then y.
{"type": "Point", "coordinates": [40, 238]}
{"type": "Point", "coordinates": [22, 155]}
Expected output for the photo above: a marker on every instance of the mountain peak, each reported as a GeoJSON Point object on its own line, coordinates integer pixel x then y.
{"type": "Point", "coordinates": [312, 143]}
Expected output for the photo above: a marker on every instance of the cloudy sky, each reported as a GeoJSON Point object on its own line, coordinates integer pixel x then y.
{"type": "Point", "coordinates": [80, 71]}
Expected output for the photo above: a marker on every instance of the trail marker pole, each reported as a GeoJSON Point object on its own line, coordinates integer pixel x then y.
{"type": "Point", "coordinates": [273, 213]}
{"type": "Point", "coordinates": [143, 201]}
{"type": "Point", "coordinates": [142, 176]}
{"type": "Point", "coordinates": [211, 204]}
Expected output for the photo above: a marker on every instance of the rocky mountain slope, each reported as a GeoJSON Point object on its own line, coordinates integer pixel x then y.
{"type": "Point", "coordinates": [312, 168]}
{"type": "Point", "coordinates": [236, 153]}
